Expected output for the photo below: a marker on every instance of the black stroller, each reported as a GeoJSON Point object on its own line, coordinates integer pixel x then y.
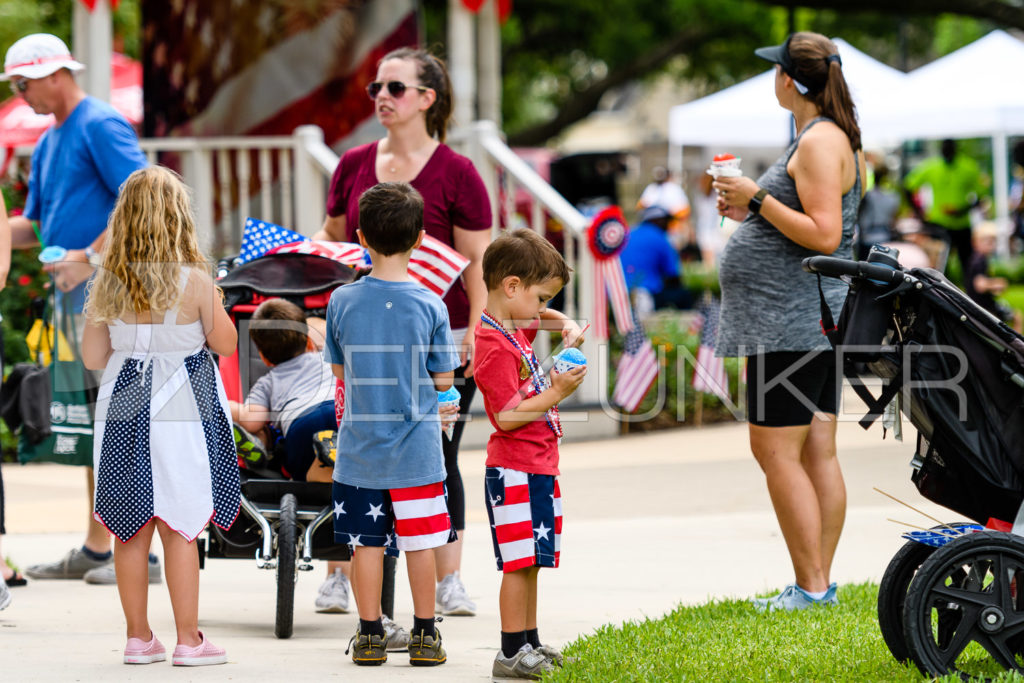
{"type": "Point", "coordinates": [952, 599]}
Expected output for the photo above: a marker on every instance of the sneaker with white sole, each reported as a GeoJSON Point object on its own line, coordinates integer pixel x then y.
{"type": "Point", "coordinates": [5, 594]}
{"type": "Point", "coordinates": [203, 654]}
{"type": "Point", "coordinates": [452, 599]}
{"type": "Point", "coordinates": [527, 664]}
{"type": "Point", "coordinates": [106, 576]}
{"type": "Point", "coordinates": [74, 565]}
{"type": "Point", "coordinates": [397, 636]}
{"type": "Point", "coordinates": [793, 597]}
{"type": "Point", "coordinates": [332, 598]}
{"type": "Point", "coordinates": [139, 651]}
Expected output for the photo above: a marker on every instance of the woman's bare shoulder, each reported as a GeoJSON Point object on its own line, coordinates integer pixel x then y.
{"type": "Point", "coordinates": [825, 133]}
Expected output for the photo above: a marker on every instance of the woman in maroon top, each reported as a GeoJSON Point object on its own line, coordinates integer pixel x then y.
{"type": "Point", "coordinates": [413, 101]}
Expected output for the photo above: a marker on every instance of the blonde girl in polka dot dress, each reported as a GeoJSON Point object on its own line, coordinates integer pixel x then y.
{"type": "Point", "coordinates": [164, 455]}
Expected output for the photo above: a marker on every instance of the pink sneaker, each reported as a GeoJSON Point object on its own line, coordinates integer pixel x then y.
{"type": "Point", "coordinates": [203, 654]}
{"type": "Point", "coordinates": [138, 651]}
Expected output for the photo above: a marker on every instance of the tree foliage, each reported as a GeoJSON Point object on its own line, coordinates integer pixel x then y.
{"type": "Point", "coordinates": [22, 17]}
{"type": "Point", "coordinates": [560, 58]}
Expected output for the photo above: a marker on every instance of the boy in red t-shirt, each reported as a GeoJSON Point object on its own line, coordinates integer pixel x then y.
{"type": "Point", "coordinates": [522, 272]}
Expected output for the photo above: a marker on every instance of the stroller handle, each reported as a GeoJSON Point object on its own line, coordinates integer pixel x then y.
{"type": "Point", "coordinates": [837, 267]}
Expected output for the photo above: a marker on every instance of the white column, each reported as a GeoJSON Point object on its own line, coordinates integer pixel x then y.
{"type": "Point", "coordinates": [1001, 191]}
{"type": "Point", "coordinates": [310, 197]}
{"type": "Point", "coordinates": [92, 43]}
{"type": "Point", "coordinates": [489, 63]}
{"type": "Point", "coordinates": [462, 62]}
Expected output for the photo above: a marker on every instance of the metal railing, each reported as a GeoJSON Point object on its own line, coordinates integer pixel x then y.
{"type": "Point", "coordinates": [503, 173]}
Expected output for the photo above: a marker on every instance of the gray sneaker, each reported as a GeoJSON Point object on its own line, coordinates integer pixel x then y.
{"type": "Point", "coordinates": [105, 575]}
{"type": "Point", "coordinates": [5, 594]}
{"type": "Point", "coordinates": [452, 599]}
{"type": "Point", "coordinates": [333, 594]}
{"type": "Point", "coordinates": [398, 637]}
{"type": "Point", "coordinates": [553, 654]}
{"type": "Point", "coordinates": [368, 650]}
{"type": "Point", "coordinates": [527, 663]}
{"type": "Point", "coordinates": [426, 650]}
{"type": "Point", "coordinates": [74, 565]}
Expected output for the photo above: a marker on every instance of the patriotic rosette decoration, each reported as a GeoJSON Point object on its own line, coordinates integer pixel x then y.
{"type": "Point", "coordinates": [606, 237]}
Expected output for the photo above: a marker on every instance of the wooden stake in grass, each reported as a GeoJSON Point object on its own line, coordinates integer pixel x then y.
{"type": "Point", "coordinates": [920, 512]}
{"type": "Point", "coordinates": [921, 528]}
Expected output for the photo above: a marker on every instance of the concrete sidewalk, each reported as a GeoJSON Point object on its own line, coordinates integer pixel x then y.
{"type": "Point", "coordinates": [650, 521]}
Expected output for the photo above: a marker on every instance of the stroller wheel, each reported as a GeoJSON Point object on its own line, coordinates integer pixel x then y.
{"type": "Point", "coordinates": [964, 611]}
{"type": "Point", "coordinates": [892, 595]}
{"type": "Point", "coordinates": [287, 532]}
{"type": "Point", "coordinates": [892, 591]}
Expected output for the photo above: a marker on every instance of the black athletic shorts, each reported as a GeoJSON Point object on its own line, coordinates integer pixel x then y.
{"type": "Point", "coordinates": [786, 388]}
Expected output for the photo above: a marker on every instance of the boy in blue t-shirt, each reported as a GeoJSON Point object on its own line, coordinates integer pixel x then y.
{"type": "Point", "coordinates": [389, 339]}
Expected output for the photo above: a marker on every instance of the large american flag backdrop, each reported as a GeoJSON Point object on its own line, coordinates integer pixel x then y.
{"type": "Point", "coordinates": [264, 67]}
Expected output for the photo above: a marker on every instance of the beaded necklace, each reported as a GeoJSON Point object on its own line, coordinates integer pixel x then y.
{"type": "Point", "coordinates": [537, 379]}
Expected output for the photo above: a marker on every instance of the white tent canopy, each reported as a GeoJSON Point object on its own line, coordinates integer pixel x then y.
{"type": "Point", "coordinates": [748, 115]}
{"type": "Point", "coordinates": [973, 92]}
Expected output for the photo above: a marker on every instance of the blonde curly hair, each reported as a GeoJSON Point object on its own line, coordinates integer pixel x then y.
{"type": "Point", "coordinates": [151, 235]}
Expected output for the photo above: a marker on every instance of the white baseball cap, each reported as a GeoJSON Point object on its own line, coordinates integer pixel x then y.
{"type": "Point", "coordinates": [38, 55]}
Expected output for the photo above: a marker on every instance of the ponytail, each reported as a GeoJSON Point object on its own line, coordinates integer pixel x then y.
{"type": "Point", "coordinates": [836, 103]}
{"type": "Point", "coordinates": [817, 65]}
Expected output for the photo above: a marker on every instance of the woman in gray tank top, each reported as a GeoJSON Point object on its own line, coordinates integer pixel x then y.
{"type": "Point", "coordinates": [805, 204]}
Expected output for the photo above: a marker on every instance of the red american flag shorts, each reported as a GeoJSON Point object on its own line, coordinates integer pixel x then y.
{"type": "Point", "coordinates": [526, 518]}
{"type": "Point", "coordinates": [414, 518]}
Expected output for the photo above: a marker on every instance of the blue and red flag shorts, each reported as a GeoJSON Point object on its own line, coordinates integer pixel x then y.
{"type": "Point", "coordinates": [414, 518]}
{"type": "Point", "coordinates": [525, 511]}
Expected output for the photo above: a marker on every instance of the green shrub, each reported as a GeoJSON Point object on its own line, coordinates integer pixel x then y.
{"type": "Point", "coordinates": [672, 400]}
{"type": "Point", "coordinates": [25, 282]}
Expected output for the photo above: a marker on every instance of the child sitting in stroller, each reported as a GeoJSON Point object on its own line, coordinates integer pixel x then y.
{"type": "Point", "coordinates": [296, 395]}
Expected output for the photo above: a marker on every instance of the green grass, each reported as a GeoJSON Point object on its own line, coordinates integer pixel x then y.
{"type": "Point", "coordinates": [729, 641]}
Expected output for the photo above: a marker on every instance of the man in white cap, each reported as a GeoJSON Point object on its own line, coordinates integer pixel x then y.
{"type": "Point", "coordinates": [77, 169]}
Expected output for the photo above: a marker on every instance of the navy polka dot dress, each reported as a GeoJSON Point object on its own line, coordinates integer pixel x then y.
{"type": "Point", "coordinates": [163, 444]}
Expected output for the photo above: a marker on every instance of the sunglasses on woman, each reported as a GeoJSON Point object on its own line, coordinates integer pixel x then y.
{"type": "Point", "coordinates": [395, 88]}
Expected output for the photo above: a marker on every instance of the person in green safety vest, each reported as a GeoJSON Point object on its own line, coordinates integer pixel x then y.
{"type": "Point", "coordinates": [956, 187]}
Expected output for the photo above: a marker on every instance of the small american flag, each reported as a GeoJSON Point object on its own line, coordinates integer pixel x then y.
{"type": "Point", "coordinates": [259, 237]}
{"type": "Point", "coordinates": [710, 376]}
{"type": "Point", "coordinates": [434, 264]}
{"type": "Point", "coordinates": [637, 370]}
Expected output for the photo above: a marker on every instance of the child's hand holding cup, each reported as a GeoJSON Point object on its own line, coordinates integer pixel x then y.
{"type": "Point", "coordinates": [448, 407]}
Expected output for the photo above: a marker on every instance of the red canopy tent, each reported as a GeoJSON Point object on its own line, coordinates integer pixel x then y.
{"type": "Point", "coordinates": [19, 125]}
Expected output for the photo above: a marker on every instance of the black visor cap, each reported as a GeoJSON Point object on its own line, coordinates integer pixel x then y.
{"type": "Point", "coordinates": [778, 54]}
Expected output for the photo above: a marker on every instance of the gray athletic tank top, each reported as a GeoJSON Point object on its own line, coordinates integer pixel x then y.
{"type": "Point", "coordinates": [768, 302]}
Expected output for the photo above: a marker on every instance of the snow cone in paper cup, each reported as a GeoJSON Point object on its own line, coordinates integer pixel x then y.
{"type": "Point", "coordinates": [725, 166]}
{"type": "Point", "coordinates": [567, 360]}
{"type": "Point", "coordinates": [446, 399]}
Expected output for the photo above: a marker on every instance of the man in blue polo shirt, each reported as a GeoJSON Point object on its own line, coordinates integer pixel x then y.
{"type": "Point", "coordinates": [77, 169]}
